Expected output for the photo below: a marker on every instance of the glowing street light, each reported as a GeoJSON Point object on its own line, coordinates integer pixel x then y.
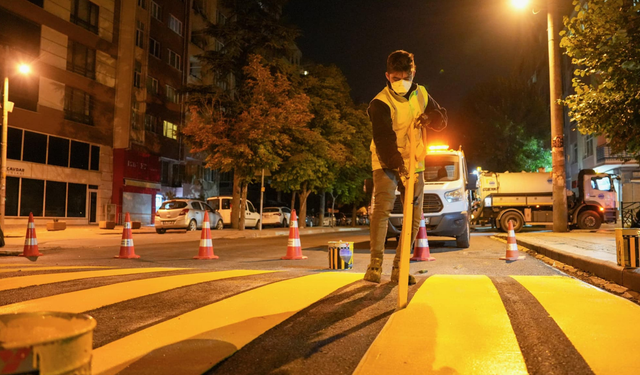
{"type": "Point", "coordinates": [520, 4]}
{"type": "Point", "coordinates": [24, 69]}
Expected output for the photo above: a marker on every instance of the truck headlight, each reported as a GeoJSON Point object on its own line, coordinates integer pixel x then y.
{"type": "Point", "coordinates": [454, 195]}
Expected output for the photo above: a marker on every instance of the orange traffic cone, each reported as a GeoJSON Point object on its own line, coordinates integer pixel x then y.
{"type": "Point", "coordinates": [30, 240]}
{"type": "Point", "coordinates": [294, 250]}
{"type": "Point", "coordinates": [206, 247]}
{"type": "Point", "coordinates": [126, 246]}
{"type": "Point", "coordinates": [512, 245]}
{"type": "Point", "coordinates": [421, 246]}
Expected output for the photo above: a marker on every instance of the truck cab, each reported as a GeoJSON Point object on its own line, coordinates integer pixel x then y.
{"type": "Point", "coordinates": [446, 203]}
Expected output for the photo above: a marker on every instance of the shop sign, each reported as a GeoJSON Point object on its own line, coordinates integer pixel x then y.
{"type": "Point", "coordinates": [18, 169]}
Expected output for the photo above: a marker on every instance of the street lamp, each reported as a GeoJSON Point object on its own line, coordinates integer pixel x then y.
{"type": "Point", "coordinates": [7, 106]}
{"type": "Point", "coordinates": [559, 180]}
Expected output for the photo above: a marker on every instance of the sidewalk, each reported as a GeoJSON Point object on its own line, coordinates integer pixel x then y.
{"type": "Point", "coordinates": [585, 250]}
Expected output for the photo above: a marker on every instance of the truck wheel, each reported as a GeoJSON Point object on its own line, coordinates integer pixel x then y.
{"type": "Point", "coordinates": [518, 221]}
{"type": "Point", "coordinates": [589, 220]}
{"type": "Point", "coordinates": [463, 240]}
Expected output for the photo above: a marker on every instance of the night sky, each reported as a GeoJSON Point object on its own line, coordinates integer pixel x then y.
{"type": "Point", "coordinates": [457, 43]}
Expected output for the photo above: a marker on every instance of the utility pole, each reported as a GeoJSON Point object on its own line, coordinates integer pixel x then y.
{"type": "Point", "coordinates": [557, 125]}
{"type": "Point", "coordinates": [5, 124]}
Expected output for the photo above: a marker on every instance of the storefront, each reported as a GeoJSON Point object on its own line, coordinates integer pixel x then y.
{"type": "Point", "coordinates": [136, 181]}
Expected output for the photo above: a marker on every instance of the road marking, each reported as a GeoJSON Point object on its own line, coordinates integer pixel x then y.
{"type": "Point", "coordinates": [19, 265]}
{"type": "Point", "coordinates": [453, 324]}
{"type": "Point", "coordinates": [90, 299]}
{"type": "Point", "coordinates": [224, 326]}
{"type": "Point", "coordinates": [25, 281]}
{"type": "Point", "coordinates": [42, 268]}
{"type": "Point", "coordinates": [603, 327]}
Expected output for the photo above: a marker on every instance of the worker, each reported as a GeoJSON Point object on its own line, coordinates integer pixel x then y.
{"type": "Point", "coordinates": [401, 107]}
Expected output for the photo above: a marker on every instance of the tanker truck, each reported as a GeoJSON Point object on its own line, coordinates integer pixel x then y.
{"type": "Point", "coordinates": [527, 198]}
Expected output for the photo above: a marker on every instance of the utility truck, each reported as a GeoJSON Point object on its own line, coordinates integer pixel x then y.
{"type": "Point", "coordinates": [527, 198]}
{"type": "Point", "coordinates": [446, 197]}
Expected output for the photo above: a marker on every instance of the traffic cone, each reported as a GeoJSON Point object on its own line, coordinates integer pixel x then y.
{"type": "Point", "coordinates": [421, 246]}
{"type": "Point", "coordinates": [206, 247]}
{"type": "Point", "coordinates": [512, 245]}
{"type": "Point", "coordinates": [126, 246]}
{"type": "Point", "coordinates": [30, 240]}
{"type": "Point", "coordinates": [294, 250]}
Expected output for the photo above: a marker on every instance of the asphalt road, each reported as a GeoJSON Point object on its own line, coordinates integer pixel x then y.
{"type": "Point", "coordinates": [469, 313]}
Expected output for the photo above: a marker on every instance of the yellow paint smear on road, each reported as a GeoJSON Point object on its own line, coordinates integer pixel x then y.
{"type": "Point", "coordinates": [20, 265]}
{"type": "Point", "coordinates": [453, 325]}
{"type": "Point", "coordinates": [50, 278]}
{"type": "Point", "coordinates": [222, 328]}
{"type": "Point", "coordinates": [90, 299]}
{"type": "Point", "coordinates": [44, 268]}
{"type": "Point", "coordinates": [603, 327]}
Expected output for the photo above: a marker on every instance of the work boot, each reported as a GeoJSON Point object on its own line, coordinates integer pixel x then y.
{"type": "Point", "coordinates": [374, 271]}
{"type": "Point", "coordinates": [395, 276]}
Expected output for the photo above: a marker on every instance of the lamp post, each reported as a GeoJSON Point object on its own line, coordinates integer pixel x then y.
{"type": "Point", "coordinates": [7, 107]}
{"type": "Point", "coordinates": [558, 176]}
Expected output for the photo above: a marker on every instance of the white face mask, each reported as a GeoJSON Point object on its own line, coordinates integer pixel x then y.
{"type": "Point", "coordinates": [401, 87]}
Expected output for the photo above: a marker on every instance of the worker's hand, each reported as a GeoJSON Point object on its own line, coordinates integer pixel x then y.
{"type": "Point", "coordinates": [403, 173]}
{"type": "Point", "coordinates": [422, 120]}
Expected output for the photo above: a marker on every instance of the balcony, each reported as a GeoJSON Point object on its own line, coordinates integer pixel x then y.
{"type": "Point", "coordinates": [605, 156]}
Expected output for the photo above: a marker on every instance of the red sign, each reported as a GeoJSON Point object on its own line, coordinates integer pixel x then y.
{"type": "Point", "coordinates": [138, 165]}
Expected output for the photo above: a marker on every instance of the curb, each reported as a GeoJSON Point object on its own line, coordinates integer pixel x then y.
{"type": "Point", "coordinates": [605, 270]}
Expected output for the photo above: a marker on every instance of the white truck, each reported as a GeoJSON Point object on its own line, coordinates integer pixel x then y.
{"type": "Point", "coordinates": [446, 192]}
{"type": "Point", "coordinates": [527, 198]}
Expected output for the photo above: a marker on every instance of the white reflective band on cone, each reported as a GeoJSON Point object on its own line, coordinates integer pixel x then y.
{"type": "Point", "coordinates": [294, 242]}
{"type": "Point", "coordinates": [206, 225]}
{"type": "Point", "coordinates": [30, 241]}
{"type": "Point", "coordinates": [126, 242]}
{"type": "Point", "coordinates": [512, 233]}
{"type": "Point", "coordinates": [127, 225]}
{"type": "Point", "coordinates": [294, 224]}
{"type": "Point", "coordinates": [31, 225]}
{"type": "Point", "coordinates": [423, 242]}
{"type": "Point", "coordinates": [422, 224]}
{"type": "Point", "coordinates": [512, 247]}
{"type": "Point", "coordinates": [206, 243]}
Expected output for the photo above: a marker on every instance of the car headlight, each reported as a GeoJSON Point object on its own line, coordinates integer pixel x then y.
{"type": "Point", "coordinates": [454, 195]}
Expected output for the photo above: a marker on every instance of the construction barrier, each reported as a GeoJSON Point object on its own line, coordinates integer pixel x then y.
{"type": "Point", "coordinates": [512, 245]}
{"type": "Point", "coordinates": [127, 250]}
{"type": "Point", "coordinates": [206, 245]}
{"type": "Point", "coordinates": [340, 255]}
{"type": "Point", "coordinates": [30, 240]}
{"type": "Point", "coordinates": [421, 251]}
{"type": "Point", "coordinates": [628, 247]}
{"type": "Point", "coordinates": [294, 248]}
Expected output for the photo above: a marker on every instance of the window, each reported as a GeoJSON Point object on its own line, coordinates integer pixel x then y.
{"type": "Point", "coordinates": [31, 197]}
{"type": "Point", "coordinates": [150, 122]}
{"type": "Point", "coordinates": [14, 143]}
{"type": "Point", "coordinates": [81, 59]}
{"type": "Point", "coordinates": [36, 144]}
{"type": "Point", "coordinates": [137, 75]}
{"type": "Point", "coordinates": [172, 95]}
{"type": "Point", "coordinates": [174, 60]}
{"type": "Point", "coordinates": [152, 85]}
{"type": "Point", "coordinates": [221, 19]}
{"type": "Point", "coordinates": [219, 45]}
{"type": "Point", "coordinates": [154, 48]}
{"type": "Point", "coordinates": [195, 69]}
{"type": "Point", "coordinates": [574, 152]}
{"type": "Point", "coordinates": [85, 14]}
{"type": "Point", "coordinates": [164, 176]}
{"type": "Point", "coordinates": [196, 206]}
{"type": "Point", "coordinates": [588, 145]}
{"type": "Point", "coordinates": [95, 158]}
{"type": "Point", "coordinates": [140, 34]}
{"type": "Point", "coordinates": [135, 115]}
{"type": "Point", "coordinates": [156, 11]}
{"type": "Point", "coordinates": [56, 199]}
{"type": "Point", "coordinates": [12, 197]}
{"type": "Point", "coordinates": [77, 106]}
{"type": "Point", "coordinates": [77, 198]}
{"type": "Point", "coordinates": [79, 155]}
{"type": "Point", "coordinates": [58, 151]}
{"type": "Point", "coordinates": [170, 130]}
{"type": "Point", "coordinates": [142, 4]}
{"type": "Point", "coordinates": [175, 24]}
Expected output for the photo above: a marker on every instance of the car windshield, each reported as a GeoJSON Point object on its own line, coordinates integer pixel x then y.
{"type": "Point", "coordinates": [441, 168]}
{"type": "Point", "coordinates": [172, 205]}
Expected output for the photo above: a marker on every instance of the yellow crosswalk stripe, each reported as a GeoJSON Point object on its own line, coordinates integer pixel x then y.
{"type": "Point", "coordinates": [25, 281]}
{"type": "Point", "coordinates": [43, 268]}
{"type": "Point", "coordinates": [602, 327]}
{"type": "Point", "coordinates": [453, 324]}
{"type": "Point", "coordinates": [90, 299]}
{"type": "Point", "coordinates": [224, 326]}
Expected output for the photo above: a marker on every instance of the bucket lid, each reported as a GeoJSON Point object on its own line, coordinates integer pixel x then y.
{"type": "Point", "coordinates": [28, 329]}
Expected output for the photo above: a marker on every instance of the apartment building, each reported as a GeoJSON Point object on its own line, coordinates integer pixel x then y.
{"type": "Point", "coordinates": [60, 132]}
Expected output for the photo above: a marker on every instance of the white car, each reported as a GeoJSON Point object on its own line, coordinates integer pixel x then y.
{"type": "Point", "coordinates": [222, 205]}
{"type": "Point", "coordinates": [185, 214]}
{"type": "Point", "coordinates": [280, 216]}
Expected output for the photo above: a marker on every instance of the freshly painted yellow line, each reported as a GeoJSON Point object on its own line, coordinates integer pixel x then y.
{"type": "Point", "coordinates": [453, 325]}
{"type": "Point", "coordinates": [43, 268]}
{"type": "Point", "coordinates": [25, 281]}
{"type": "Point", "coordinates": [90, 299]}
{"type": "Point", "coordinates": [222, 327]}
{"type": "Point", "coordinates": [603, 327]}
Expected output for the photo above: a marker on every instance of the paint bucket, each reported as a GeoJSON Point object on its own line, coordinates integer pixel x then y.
{"type": "Point", "coordinates": [46, 343]}
{"type": "Point", "coordinates": [340, 255]}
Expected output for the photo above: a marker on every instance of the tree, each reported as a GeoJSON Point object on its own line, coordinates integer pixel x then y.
{"type": "Point", "coordinates": [256, 138]}
{"type": "Point", "coordinates": [602, 40]}
{"type": "Point", "coordinates": [508, 121]}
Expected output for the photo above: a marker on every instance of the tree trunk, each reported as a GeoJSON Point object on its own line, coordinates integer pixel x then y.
{"type": "Point", "coordinates": [293, 200]}
{"type": "Point", "coordinates": [354, 216]}
{"type": "Point", "coordinates": [304, 194]}
{"type": "Point", "coordinates": [243, 210]}
{"type": "Point", "coordinates": [235, 201]}
{"type": "Point", "coordinates": [323, 203]}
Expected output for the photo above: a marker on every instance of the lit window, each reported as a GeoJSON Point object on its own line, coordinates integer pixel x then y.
{"type": "Point", "coordinates": [170, 130]}
{"type": "Point", "coordinates": [175, 25]}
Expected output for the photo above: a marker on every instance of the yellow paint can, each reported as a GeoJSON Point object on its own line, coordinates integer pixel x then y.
{"type": "Point", "coordinates": [340, 255]}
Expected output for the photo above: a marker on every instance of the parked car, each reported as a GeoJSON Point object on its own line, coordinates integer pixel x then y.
{"type": "Point", "coordinates": [280, 216]}
{"type": "Point", "coordinates": [329, 220]}
{"type": "Point", "coordinates": [185, 214]}
{"type": "Point", "coordinates": [222, 205]}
